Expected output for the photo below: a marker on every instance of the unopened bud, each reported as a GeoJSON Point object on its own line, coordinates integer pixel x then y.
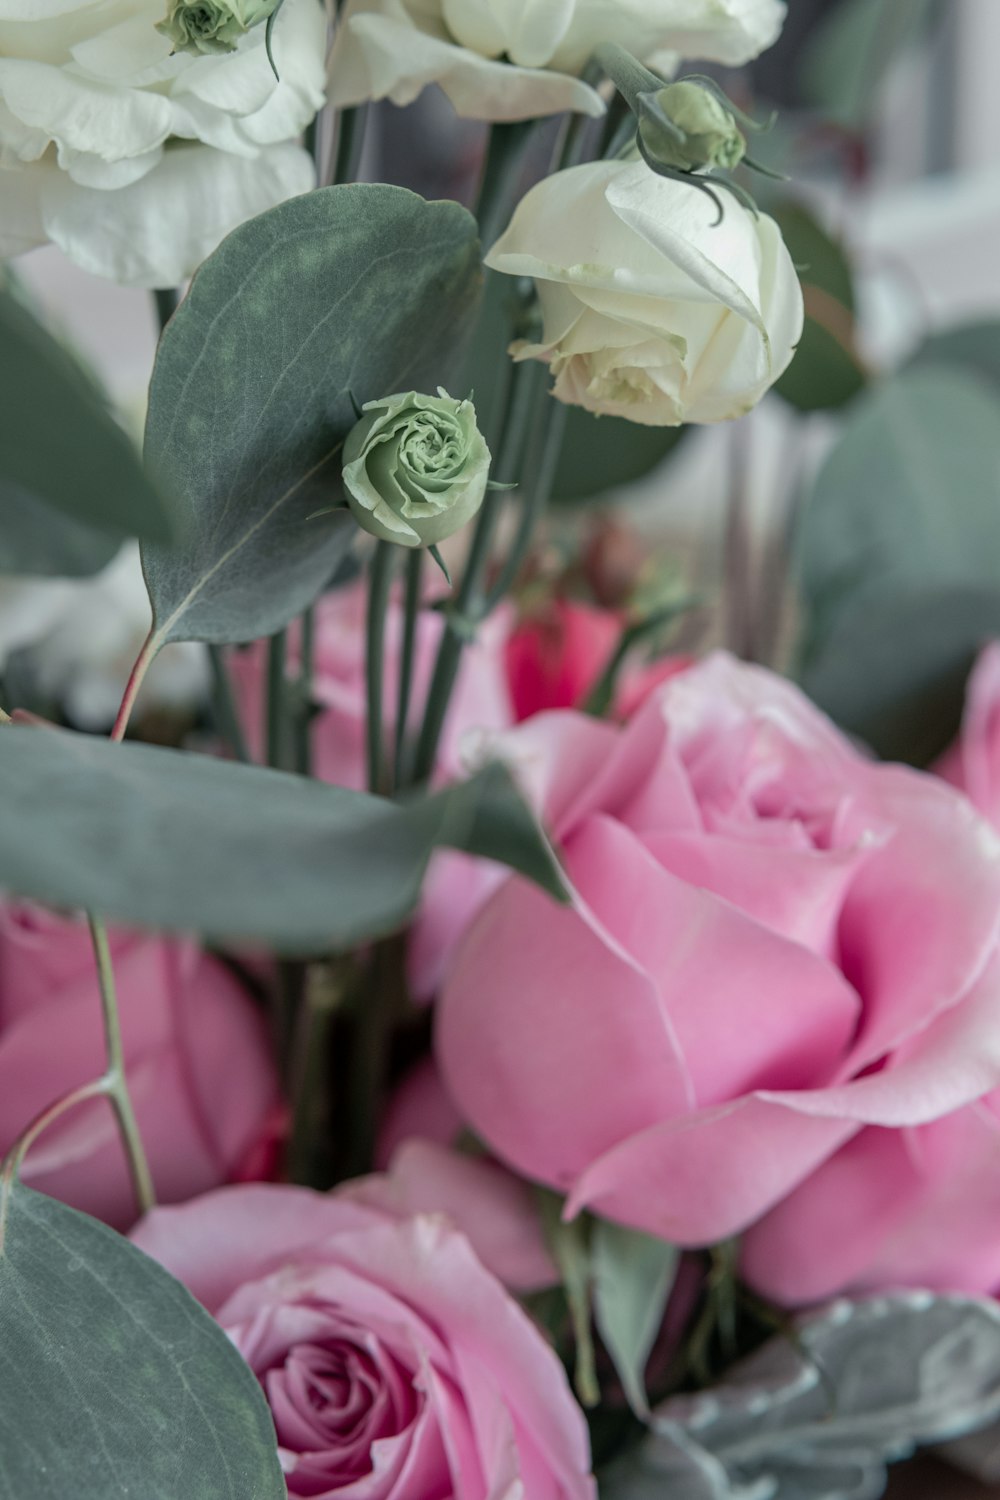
{"type": "Point", "coordinates": [686, 126]}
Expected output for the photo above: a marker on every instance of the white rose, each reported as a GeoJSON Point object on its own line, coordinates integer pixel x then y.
{"type": "Point", "coordinates": [653, 310]}
{"type": "Point", "coordinates": [393, 48]}
{"type": "Point", "coordinates": [93, 103]}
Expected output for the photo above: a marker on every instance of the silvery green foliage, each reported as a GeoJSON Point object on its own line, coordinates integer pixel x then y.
{"type": "Point", "coordinates": [817, 1415]}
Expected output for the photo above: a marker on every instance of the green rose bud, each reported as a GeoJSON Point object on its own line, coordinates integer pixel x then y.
{"type": "Point", "coordinates": [687, 126]}
{"type": "Point", "coordinates": [415, 467]}
{"type": "Point", "coordinates": [202, 26]}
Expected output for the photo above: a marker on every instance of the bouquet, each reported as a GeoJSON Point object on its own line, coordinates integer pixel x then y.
{"type": "Point", "coordinates": [532, 1030]}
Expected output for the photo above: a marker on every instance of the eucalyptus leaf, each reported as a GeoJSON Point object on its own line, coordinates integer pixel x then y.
{"type": "Point", "coordinates": [819, 1416]}
{"type": "Point", "coordinates": [159, 838]}
{"type": "Point", "coordinates": [827, 369]}
{"type": "Point", "coordinates": [60, 447]}
{"type": "Point", "coordinates": [602, 454]}
{"type": "Point", "coordinates": [349, 293]}
{"type": "Point", "coordinates": [974, 346]}
{"type": "Point", "coordinates": [115, 1381]}
{"type": "Point", "coordinates": [633, 1274]}
{"type": "Point", "coordinates": [893, 669]}
{"type": "Point", "coordinates": [37, 540]}
{"type": "Point", "coordinates": [849, 52]}
{"type": "Point", "coordinates": [907, 499]}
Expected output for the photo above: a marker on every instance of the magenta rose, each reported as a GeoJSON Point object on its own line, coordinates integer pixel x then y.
{"type": "Point", "coordinates": [555, 657]}
{"type": "Point", "coordinates": [196, 1052]}
{"type": "Point", "coordinates": [480, 699]}
{"type": "Point", "coordinates": [395, 1365]}
{"type": "Point", "coordinates": [773, 942]}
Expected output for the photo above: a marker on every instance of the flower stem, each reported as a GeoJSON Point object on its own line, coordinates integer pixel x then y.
{"type": "Point", "coordinates": [350, 143]}
{"type": "Point", "coordinates": [114, 1078]}
{"type": "Point", "coordinates": [303, 716]}
{"type": "Point", "coordinates": [379, 585]}
{"type": "Point", "coordinates": [227, 720]}
{"type": "Point", "coordinates": [471, 602]}
{"type": "Point", "coordinates": [498, 185]}
{"type": "Point", "coordinates": [411, 611]}
{"type": "Point", "coordinates": [167, 299]}
{"type": "Point", "coordinates": [143, 662]}
{"type": "Point", "coordinates": [274, 710]}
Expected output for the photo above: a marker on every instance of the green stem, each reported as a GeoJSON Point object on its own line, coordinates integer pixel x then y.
{"type": "Point", "coordinates": [629, 76]}
{"type": "Point", "coordinates": [115, 1079]}
{"type": "Point", "coordinates": [227, 720]}
{"type": "Point", "coordinates": [379, 586]}
{"type": "Point", "coordinates": [411, 611]}
{"type": "Point", "coordinates": [167, 299]}
{"type": "Point", "coordinates": [274, 708]}
{"type": "Point", "coordinates": [381, 1003]}
{"type": "Point", "coordinates": [540, 466]}
{"type": "Point", "coordinates": [303, 717]}
{"type": "Point", "coordinates": [498, 185]}
{"type": "Point", "coordinates": [350, 143]}
{"type": "Point", "coordinates": [325, 986]}
{"type": "Point", "coordinates": [471, 602]}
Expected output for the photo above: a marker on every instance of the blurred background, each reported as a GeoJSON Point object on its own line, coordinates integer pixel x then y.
{"type": "Point", "coordinates": [888, 131]}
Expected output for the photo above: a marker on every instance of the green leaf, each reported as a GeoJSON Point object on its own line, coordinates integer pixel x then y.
{"type": "Point", "coordinates": [850, 50]}
{"type": "Point", "coordinates": [907, 500]}
{"type": "Point", "coordinates": [893, 670]}
{"type": "Point", "coordinates": [159, 838]}
{"type": "Point", "coordinates": [605, 453]}
{"type": "Point", "coordinates": [38, 540]}
{"type": "Point", "coordinates": [569, 1246]}
{"type": "Point", "coordinates": [633, 1276]}
{"type": "Point", "coordinates": [827, 370]}
{"type": "Point", "coordinates": [115, 1382]}
{"type": "Point", "coordinates": [900, 559]}
{"type": "Point", "coordinates": [359, 291]}
{"type": "Point", "coordinates": [817, 1416]}
{"type": "Point", "coordinates": [974, 346]}
{"type": "Point", "coordinates": [60, 447]}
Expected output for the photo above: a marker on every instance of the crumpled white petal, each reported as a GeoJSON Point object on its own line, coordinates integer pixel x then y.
{"type": "Point", "coordinates": [391, 49]}
{"type": "Point", "coordinates": [155, 232]}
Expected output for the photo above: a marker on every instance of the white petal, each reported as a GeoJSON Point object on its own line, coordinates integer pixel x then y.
{"type": "Point", "coordinates": [108, 122]}
{"type": "Point", "coordinates": [156, 232]}
{"type": "Point", "coordinates": [528, 31]}
{"type": "Point", "coordinates": [21, 226]}
{"type": "Point", "coordinates": [383, 50]}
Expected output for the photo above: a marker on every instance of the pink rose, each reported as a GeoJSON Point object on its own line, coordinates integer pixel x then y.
{"type": "Point", "coordinates": [395, 1365]}
{"type": "Point", "coordinates": [772, 943]}
{"type": "Point", "coordinates": [913, 1207]}
{"type": "Point", "coordinates": [973, 762]}
{"type": "Point", "coordinates": [916, 1207]}
{"type": "Point", "coordinates": [480, 699]}
{"type": "Point", "coordinates": [555, 657]}
{"type": "Point", "coordinates": [196, 1052]}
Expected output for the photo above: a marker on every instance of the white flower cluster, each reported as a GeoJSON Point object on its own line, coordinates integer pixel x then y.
{"type": "Point", "coordinates": [134, 159]}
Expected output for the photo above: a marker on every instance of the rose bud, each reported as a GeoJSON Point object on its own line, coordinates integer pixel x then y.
{"type": "Point", "coordinates": [687, 126]}
{"type": "Point", "coordinates": [415, 467]}
{"type": "Point", "coordinates": [201, 26]}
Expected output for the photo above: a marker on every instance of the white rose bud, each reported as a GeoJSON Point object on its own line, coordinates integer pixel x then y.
{"type": "Point", "coordinates": [415, 467]}
{"type": "Point", "coordinates": [710, 136]}
{"type": "Point", "coordinates": [653, 309]}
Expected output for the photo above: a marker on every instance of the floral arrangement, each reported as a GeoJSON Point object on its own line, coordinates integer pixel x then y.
{"type": "Point", "coordinates": [516, 1048]}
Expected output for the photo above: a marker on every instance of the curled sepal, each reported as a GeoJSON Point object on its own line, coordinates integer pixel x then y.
{"type": "Point", "coordinates": [207, 26]}
{"type": "Point", "coordinates": [416, 467]}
